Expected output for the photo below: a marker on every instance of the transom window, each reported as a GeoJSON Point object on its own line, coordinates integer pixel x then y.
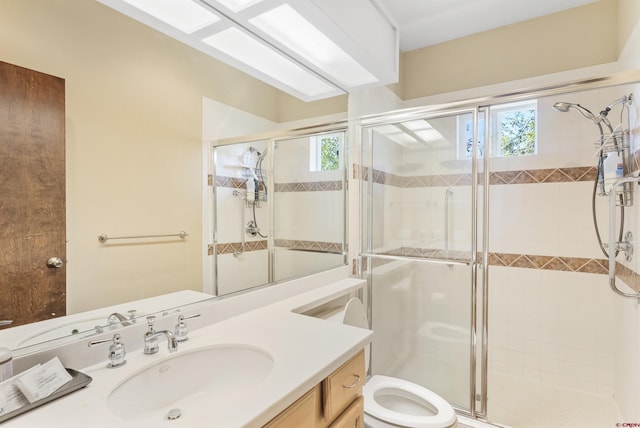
{"type": "Point", "coordinates": [325, 152]}
{"type": "Point", "coordinates": [512, 131]}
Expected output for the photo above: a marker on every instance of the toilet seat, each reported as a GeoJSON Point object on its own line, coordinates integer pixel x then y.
{"type": "Point", "coordinates": [444, 418]}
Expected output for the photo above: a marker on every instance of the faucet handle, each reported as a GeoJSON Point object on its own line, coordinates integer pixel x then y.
{"type": "Point", "coordinates": [151, 320]}
{"type": "Point", "coordinates": [181, 330]}
{"type": "Point", "coordinates": [116, 351]}
{"type": "Point", "coordinates": [132, 314]}
{"type": "Point", "coordinates": [150, 337]}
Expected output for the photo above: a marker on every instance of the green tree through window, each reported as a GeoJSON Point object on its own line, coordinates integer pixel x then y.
{"type": "Point", "coordinates": [512, 131]}
{"type": "Point", "coordinates": [330, 153]}
{"type": "Point", "coordinates": [518, 133]}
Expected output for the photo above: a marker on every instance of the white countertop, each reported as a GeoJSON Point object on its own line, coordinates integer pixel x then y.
{"type": "Point", "coordinates": [305, 350]}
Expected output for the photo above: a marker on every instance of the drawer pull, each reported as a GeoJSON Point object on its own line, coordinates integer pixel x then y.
{"type": "Point", "coordinates": [353, 385]}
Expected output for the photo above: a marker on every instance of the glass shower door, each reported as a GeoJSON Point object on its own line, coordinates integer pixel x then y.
{"type": "Point", "coordinates": [420, 243]}
{"type": "Point", "coordinates": [309, 204]}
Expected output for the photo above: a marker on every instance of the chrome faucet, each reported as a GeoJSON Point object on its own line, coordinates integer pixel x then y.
{"type": "Point", "coordinates": [116, 351]}
{"type": "Point", "coordinates": [151, 338]}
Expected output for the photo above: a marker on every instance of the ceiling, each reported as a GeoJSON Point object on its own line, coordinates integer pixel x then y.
{"type": "Point", "coordinates": [428, 22]}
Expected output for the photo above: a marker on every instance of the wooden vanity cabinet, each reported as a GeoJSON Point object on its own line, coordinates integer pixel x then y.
{"type": "Point", "coordinates": [305, 412]}
{"type": "Point", "coordinates": [334, 403]}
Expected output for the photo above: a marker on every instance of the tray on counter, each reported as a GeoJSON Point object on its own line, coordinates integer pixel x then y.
{"type": "Point", "coordinates": [78, 380]}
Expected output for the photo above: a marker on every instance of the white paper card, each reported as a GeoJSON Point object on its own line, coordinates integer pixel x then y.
{"type": "Point", "coordinates": [12, 397]}
{"type": "Point", "coordinates": [43, 381]}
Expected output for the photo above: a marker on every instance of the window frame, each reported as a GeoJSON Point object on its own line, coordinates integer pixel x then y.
{"type": "Point", "coordinates": [315, 151]}
{"type": "Point", "coordinates": [495, 125]}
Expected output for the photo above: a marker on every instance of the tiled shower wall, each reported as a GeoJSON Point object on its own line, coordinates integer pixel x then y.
{"type": "Point", "coordinates": [552, 318]}
{"type": "Point", "coordinates": [554, 325]}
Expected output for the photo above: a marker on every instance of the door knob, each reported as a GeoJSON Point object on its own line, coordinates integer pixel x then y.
{"type": "Point", "coordinates": [55, 263]}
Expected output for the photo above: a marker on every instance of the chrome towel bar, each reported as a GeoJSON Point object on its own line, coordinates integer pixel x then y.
{"type": "Point", "coordinates": [104, 238]}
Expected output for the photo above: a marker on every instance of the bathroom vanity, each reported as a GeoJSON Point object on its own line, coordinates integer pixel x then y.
{"type": "Point", "coordinates": [335, 402]}
{"type": "Point", "coordinates": [273, 366]}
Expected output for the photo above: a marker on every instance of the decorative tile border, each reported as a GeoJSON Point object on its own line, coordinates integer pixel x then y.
{"type": "Point", "coordinates": [310, 186]}
{"type": "Point", "coordinates": [232, 182]}
{"type": "Point", "coordinates": [525, 261]}
{"type": "Point", "coordinates": [567, 264]}
{"type": "Point", "coordinates": [552, 175]}
{"type": "Point", "coordinates": [528, 176]}
{"type": "Point", "coordinates": [631, 278]}
{"type": "Point", "coordinates": [233, 247]}
{"type": "Point", "coordinates": [333, 247]}
{"type": "Point", "coordinates": [429, 253]}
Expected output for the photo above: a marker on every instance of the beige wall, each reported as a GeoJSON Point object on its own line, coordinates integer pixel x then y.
{"type": "Point", "coordinates": [572, 39]}
{"type": "Point", "coordinates": [134, 140]}
{"type": "Point", "coordinates": [628, 17]}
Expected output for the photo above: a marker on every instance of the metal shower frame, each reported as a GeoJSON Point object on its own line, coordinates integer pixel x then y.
{"type": "Point", "coordinates": [476, 106]}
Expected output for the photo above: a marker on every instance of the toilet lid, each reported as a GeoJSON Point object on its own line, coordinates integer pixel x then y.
{"type": "Point", "coordinates": [445, 417]}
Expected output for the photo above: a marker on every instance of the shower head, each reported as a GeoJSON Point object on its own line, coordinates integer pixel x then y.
{"type": "Point", "coordinates": [564, 107]}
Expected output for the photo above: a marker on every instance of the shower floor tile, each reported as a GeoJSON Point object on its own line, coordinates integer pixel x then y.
{"type": "Point", "coordinates": [525, 404]}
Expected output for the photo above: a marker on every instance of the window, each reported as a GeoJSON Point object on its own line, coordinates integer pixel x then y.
{"type": "Point", "coordinates": [512, 131]}
{"type": "Point", "coordinates": [325, 152]}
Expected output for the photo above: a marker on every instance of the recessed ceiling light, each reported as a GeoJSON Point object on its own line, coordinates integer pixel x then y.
{"type": "Point", "coordinates": [244, 48]}
{"type": "Point", "coordinates": [184, 15]}
{"type": "Point", "coordinates": [291, 29]}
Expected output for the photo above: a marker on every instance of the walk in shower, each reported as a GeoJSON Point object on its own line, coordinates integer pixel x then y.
{"type": "Point", "coordinates": [491, 289]}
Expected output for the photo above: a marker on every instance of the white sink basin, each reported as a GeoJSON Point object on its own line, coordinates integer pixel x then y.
{"type": "Point", "coordinates": [219, 373]}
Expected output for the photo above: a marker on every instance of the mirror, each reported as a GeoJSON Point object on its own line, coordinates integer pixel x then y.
{"type": "Point", "coordinates": [280, 209]}
{"type": "Point", "coordinates": [134, 149]}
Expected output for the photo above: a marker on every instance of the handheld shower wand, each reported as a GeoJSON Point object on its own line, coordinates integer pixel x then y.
{"type": "Point", "coordinates": [598, 120]}
{"type": "Point", "coordinates": [586, 113]}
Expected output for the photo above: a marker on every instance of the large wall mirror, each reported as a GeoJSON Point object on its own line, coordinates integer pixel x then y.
{"type": "Point", "coordinates": [133, 166]}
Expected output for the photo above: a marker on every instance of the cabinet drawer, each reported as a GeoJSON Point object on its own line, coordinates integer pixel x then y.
{"type": "Point", "coordinates": [343, 386]}
{"type": "Point", "coordinates": [303, 413]}
{"type": "Point", "coordinates": [353, 417]}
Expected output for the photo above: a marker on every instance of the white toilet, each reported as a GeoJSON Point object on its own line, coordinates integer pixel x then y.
{"type": "Point", "coordinates": [391, 402]}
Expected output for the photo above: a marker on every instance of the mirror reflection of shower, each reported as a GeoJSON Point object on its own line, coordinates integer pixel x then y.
{"type": "Point", "coordinates": [254, 194]}
{"type": "Point", "coordinates": [256, 186]}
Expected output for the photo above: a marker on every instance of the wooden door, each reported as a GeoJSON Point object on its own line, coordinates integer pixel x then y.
{"type": "Point", "coordinates": [32, 195]}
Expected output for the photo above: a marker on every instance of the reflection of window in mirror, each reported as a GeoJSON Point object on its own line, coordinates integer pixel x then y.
{"type": "Point", "coordinates": [324, 152]}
